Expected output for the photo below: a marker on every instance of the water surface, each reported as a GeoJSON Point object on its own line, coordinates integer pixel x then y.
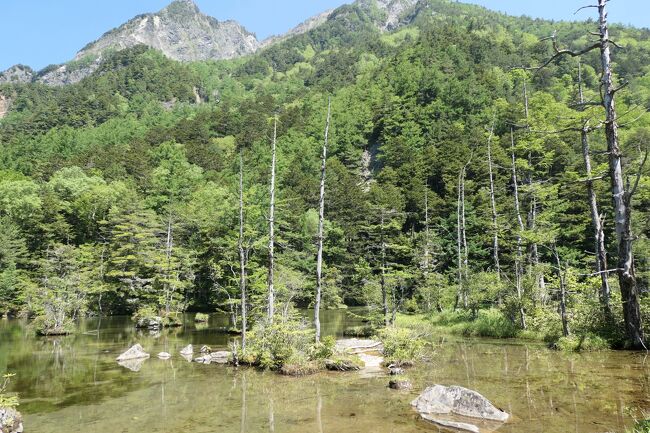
{"type": "Point", "coordinates": [73, 384]}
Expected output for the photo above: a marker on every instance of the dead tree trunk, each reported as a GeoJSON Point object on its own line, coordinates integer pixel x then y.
{"type": "Point", "coordinates": [520, 223]}
{"type": "Point", "coordinates": [561, 274]}
{"type": "Point", "coordinates": [384, 295]}
{"type": "Point", "coordinates": [621, 196]}
{"type": "Point", "coordinates": [242, 253]}
{"type": "Point", "coordinates": [596, 218]}
{"type": "Point", "coordinates": [321, 221]}
{"type": "Point", "coordinates": [493, 204]}
{"type": "Point", "coordinates": [271, 288]}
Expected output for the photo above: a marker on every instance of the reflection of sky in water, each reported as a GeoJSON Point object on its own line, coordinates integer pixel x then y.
{"type": "Point", "coordinates": [73, 384]}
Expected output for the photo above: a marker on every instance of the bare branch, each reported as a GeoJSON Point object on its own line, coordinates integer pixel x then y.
{"type": "Point", "coordinates": [638, 176]}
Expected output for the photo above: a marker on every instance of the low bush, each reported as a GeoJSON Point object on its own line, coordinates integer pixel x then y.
{"type": "Point", "coordinates": [402, 346]}
{"type": "Point", "coordinates": [201, 318]}
{"type": "Point", "coordinates": [581, 343]}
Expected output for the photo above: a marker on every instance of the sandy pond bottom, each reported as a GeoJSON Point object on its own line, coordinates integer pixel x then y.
{"type": "Point", "coordinates": [72, 384]}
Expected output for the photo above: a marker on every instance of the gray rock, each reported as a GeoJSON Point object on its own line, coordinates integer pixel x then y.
{"type": "Point", "coordinates": [221, 357]}
{"type": "Point", "coordinates": [11, 421]}
{"type": "Point", "coordinates": [456, 425]}
{"type": "Point", "coordinates": [164, 355]}
{"type": "Point", "coordinates": [133, 364]}
{"type": "Point", "coordinates": [439, 399]}
{"type": "Point", "coordinates": [17, 74]}
{"type": "Point", "coordinates": [400, 384]}
{"type": "Point", "coordinates": [181, 32]}
{"type": "Point", "coordinates": [395, 371]}
{"type": "Point", "coordinates": [135, 352]}
{"type": "Point", "coordinates": [206, 349]}
{"type": "Point", "coordinates": [151, 323]}
{"type": "Point", "coordinates": [5, 105]}
{"type": "Point", "coordinates": [188, 350]}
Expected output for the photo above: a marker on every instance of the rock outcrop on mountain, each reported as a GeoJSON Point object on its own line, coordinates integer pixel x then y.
{"type": "Point", "coordinates": [17, 74]}
{"type": "Point", "coordinates": [181, 32]}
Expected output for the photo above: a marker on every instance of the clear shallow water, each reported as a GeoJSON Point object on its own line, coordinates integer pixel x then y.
{"type": "Point", "coordinates": [73, 384]}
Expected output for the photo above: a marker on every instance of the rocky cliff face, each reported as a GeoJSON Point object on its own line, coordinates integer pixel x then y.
{"type": "Point", "coordinates": [395, 13]}
{"type": "Point", "coordinates": [17, 74]}
{"type": "Point", "coordinates": [181, 32]}
{"type": "Point", "coordinates": [5, 104]}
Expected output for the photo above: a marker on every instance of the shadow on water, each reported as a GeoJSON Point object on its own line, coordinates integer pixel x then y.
{"type": "Point", "coordinates": [73, 384]}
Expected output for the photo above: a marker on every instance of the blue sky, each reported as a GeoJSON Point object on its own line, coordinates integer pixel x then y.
{"type": "Point", "coordinates": [41, 32]}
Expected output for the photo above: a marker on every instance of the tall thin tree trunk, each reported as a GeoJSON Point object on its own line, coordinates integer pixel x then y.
{"type": "Point", "coordinates": [427, 250]}
{"type": "Point", "coordinates": [620, 197]}
{"type": "Point", "coordinates": [459, 245]}
{"type": "Point", "coordinates": [321, 221]}
{"type": "Point", "coordinates": [596, 219]}
{"type": "Point", "coordinates": [168, 253]}
{"type": "Point", "coordinates": [271, 288]}
{"type": "Point", "coordinates": [242, 253]}
{"type": "Point", "coordinates": [493, 205]}
{"type": "Point", "coordinates": [520, 222]}
{"type": "Point", "coordinates": [563, 293]}
{"type": "Point", "coordinates": [532, 214]}
{"type": "Point", "coordinates": [384, 295]}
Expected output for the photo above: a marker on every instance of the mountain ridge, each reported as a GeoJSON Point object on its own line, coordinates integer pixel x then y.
{"type": "Point", "coordinates": [182, 32]}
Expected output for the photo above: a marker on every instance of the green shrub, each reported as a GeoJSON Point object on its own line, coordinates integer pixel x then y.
{"type": "Point", "coordinates": [360, 331]}
{"type": "Point", "coordinates": [581, 343]}
{"type": "Point", "coordinates": [7, 401]}
{"type": "Point", "coordinates": [344, 363]}
{"type": "Point", "coordinates": [402, 346]}
{"type": "Point", "coordinates": [201, 318]}
{"type": "Point", "coordinates": [299, 364]}
{"type": "Point", "coordinates": [47, 324]}
{"type": "Point", "coordinates": [271, 345]}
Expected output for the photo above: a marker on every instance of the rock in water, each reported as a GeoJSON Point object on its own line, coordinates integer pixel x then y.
{"type": "Point", "coordinates": [220, 357]}
{"type": "Point", "coordinates": [187, 350]}
{"type": "Point", "coordinates": [395, 371]}
{"type": "Point", "coordinates": [11, 421]}
{"type": "Point", "coordinates": [206, 349]}
{"type": "Point", "coordinates": [164, 355]}
{"type": "Point", "coordinates": [457, 400]}
{"type": "Point", "coordinates": [135, 352]}
{"type": "Point", "coordinates": [400, 384]}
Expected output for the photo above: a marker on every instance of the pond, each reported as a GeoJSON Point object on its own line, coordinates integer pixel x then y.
{"type": "Point", "coordinates": [73, 384]}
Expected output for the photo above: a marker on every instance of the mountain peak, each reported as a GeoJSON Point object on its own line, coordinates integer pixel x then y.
{"type": "Point", "coordinates": [182, 7]}
{"type": "Point", "coordinates": [181, 32]}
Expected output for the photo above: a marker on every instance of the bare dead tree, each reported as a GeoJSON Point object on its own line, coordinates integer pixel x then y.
{"type": "Point", "coordinates": [561, 274]}
{"type": "Point", "coordinates": [620, 190]}
{"type": "Point", "coordinates": [520, 223]}
{"type": "Point", "coordinates": [493, 205]}
{"type": "Point", "coordinates": [242, 253]}
{"type": "Point", "coordinates": [596, 217]}
{"type": "Point", "coordinates": [321, 220]}
{"type": "Point", "coordinates": [270, 279]}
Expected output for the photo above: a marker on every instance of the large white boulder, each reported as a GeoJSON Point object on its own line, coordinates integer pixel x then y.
{"type": "Point", "coordinates": [438, 402]}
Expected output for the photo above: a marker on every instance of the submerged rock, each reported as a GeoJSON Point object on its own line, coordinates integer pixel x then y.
{"type": "Point", "coordinates": [455, 425]}
{"type": "Point", "coordinates": [188, 350]}
{"type": "Point", "coordinates": [152, 323]}
{"type": "Point", "coordinates": [164, 355]}
{"type": "Point", "coordinates": [400, 384]}
{"type": "Point", "coordinates": [220, 357]}
{"type": "Point", "coordinates": [11, 421]}
{"type": "Point", "coordinates": [133, 364]}
{"type": "Point", "coordinates": [135, 352]}
{"type": "Point", "coordinates": [457, 400]}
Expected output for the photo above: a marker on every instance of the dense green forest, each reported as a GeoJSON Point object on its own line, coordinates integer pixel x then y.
{"type": "Point", "coordinates": [455, 179]}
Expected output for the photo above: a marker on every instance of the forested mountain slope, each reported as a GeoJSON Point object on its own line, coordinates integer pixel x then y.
{"type": "Point", "coordinates": [122, 190]}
